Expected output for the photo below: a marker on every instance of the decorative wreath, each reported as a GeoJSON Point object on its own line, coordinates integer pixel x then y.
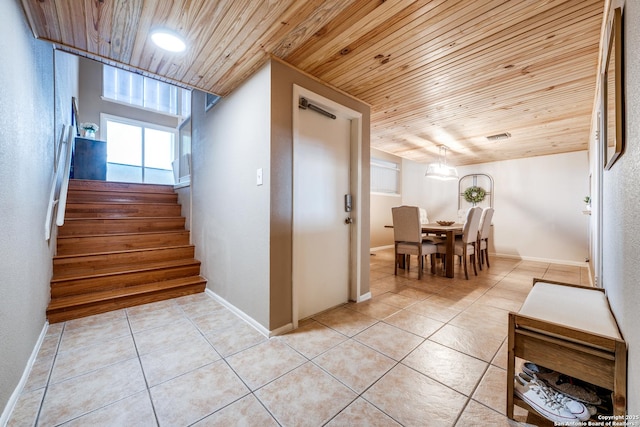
{"type": "Point", "coordinates": [474, 194]}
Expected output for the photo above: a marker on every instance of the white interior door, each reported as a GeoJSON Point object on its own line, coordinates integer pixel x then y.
{"type": "Point", "coordinates": [321, 237]}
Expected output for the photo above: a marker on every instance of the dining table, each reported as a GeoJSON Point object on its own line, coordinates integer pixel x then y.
{"type": "Point", "coordinates": [450, 232]}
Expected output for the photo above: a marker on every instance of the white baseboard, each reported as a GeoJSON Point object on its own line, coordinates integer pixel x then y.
{"type": "Point", "coordinates": [364, 297]}
{"type": "Point", "coordinates": [8, 409]}
{"type": "Point", "coordinates": [381, 248]}
{"type": "Point", "coordinates": [250, 320]}
{"type": "Point", "coordinates": [281, 330]}
{"type": "Point", "coordinates": [547, 260]}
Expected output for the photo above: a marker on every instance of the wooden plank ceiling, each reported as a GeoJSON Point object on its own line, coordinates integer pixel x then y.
{"type": "Point", "coordinates": [436, 72]}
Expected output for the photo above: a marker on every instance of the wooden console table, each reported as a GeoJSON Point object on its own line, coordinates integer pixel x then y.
{"type": "Point", "coordinates": [569, 329]}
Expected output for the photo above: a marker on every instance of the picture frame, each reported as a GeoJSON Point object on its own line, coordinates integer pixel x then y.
{"type": "Point", "coordinates": [613, 94]}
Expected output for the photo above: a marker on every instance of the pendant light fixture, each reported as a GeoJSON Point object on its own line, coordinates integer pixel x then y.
{"type": "Point", "coordinates": [441, 170]}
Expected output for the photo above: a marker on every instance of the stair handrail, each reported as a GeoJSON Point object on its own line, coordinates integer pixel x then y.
{"type": "Point", "coordinates": [57, 193]}
{"type": "Point", "coordinates": [62, 198]}
{"type": "Point", "coordinates": [54, 183]}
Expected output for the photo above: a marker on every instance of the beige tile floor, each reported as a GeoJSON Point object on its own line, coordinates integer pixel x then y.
{"type": "Point", "coordinates": [427, 352]}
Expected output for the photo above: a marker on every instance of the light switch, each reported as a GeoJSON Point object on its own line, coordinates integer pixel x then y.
{"type": "Point", "coordinates": [259, 177]}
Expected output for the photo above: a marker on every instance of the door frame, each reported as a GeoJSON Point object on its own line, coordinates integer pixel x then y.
{"type": "Point", "coordinates": [355, 184]}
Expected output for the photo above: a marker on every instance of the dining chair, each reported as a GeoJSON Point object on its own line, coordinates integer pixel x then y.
{"type": "Point", "coordinates": [483, 236]}
{"type": "Point", "coordinates": [466, 246]}
{"type": "Point", "coordinates": [424, 219]}
{"type": "Point", "coordinates": [407, 234]}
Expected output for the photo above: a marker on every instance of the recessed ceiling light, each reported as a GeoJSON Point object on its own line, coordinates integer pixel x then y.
{"type": "Point", "coordinates": [168, 40]}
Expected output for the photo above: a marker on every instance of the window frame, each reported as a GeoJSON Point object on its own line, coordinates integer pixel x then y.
{"type": "Point", "coordinates": [179, 95]}
{"type": "Point", "coordinates": [378, 163]}
{"type": "Point", "coordinates": [104, 117]}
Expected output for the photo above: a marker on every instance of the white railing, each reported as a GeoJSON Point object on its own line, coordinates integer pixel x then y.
{"type": "Point", "coordinates": [58, 193]}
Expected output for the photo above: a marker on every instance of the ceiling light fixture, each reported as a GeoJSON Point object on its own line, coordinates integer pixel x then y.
{"type": "Point", "coordinates": [441, 170]}
{"type": "Point", "coordinates": [168, 40]}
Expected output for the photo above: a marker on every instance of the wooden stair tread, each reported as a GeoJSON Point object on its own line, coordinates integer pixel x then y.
{"type": "Point", "coordinates": [118, 191]}
{"type": "Point", "coordinates": [123, 219]}
{"type": "Point", "coordinates": [119, 270]}
{"type": "Point", "coordinates": [120, 209]}
{"type": "Point", "coordinates": [110, 203]}
{"type": "Point", "coordinates": [125, 187]}
{"type": "Point", "coordinates": [93, 297]}
{"type": "Point", "coordinates": [90, 309]}
{"type": "Point", "coordinates": [75, 244]}
{"type": "Point", "coordinates": [120, 232]}
{"type": "Point", "coordinates": [75, 236]}
{"type": "Point", "coordinates": [115, 196]}
{"type": "Point", "coordinates": [92, 260]}
{"type": "Point", "coordinates": [76, 226]}
{"type": "Point", "coordinates": [125, 251]}
{"type": "Point", "coordinates": [123, 193]}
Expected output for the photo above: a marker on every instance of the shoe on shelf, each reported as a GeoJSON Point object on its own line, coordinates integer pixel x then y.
{"type": "Point", "coordinates": [575, 389]}
{"type": "Point", "coordinates": [547, 402]}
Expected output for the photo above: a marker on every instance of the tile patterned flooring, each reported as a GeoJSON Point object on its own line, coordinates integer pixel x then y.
{"type": "Point", "coordinates": [427, 352]}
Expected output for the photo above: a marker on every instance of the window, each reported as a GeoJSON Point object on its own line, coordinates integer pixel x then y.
{"type": "Point", "coordinates": [185, 104]}
{"type": "Point", "coordinates": [210, 101]}
{"type": "Point", "coordinates": [184, 164]}
{"type": "Point", "coordinates": [136, 90]}
{"type": "Point", "coordinates": [138, 151]}
{"type": "Point", "coordinates": [385, 177]}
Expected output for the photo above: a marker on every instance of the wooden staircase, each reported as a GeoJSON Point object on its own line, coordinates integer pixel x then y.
{"type": "Point", "coordinates": [121, 245]}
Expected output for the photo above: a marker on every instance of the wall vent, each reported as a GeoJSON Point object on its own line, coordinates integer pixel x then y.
{"type": "Point", "coordinates": [499, 136]}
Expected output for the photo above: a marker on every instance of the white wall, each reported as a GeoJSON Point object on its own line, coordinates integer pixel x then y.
{"type": "Point", "coordinates": [27, 108]}
{"type": "Point", "coordinates": [230, 213]}
{"type": "Point", "coordinates": [538, 202]}
{"type": "Point", "coordinates": [67, 69]}
{"type": "Point", "coordinates": [620, 215]}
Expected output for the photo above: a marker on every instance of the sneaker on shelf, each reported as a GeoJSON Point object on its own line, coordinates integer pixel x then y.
{"type": "Point", "coordinates": [575, 389]}
{"type": "Point", "coordinates": [578, 409]}
{"type": "Point", "coordinates": [542, 400]}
